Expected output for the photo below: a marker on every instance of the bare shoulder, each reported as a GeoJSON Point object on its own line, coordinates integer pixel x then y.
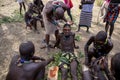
{"type": "Point", "coordinates": [15, 58]}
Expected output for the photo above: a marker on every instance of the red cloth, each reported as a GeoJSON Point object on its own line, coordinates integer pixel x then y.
{"type": "Point", "coordinates": [70, 4]}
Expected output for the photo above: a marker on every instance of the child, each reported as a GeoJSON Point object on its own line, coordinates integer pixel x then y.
{"type": "Point", "coordinates": [25, 67]}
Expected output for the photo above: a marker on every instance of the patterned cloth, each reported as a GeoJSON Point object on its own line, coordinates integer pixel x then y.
{"type": "Point", "coordinates": [66, 58]}
{"type": "Point", "coordinates": [112, 14]}
{"type": "Point", "coordinates": [86, 15]}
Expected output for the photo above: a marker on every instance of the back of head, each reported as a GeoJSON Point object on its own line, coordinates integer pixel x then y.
{"type": "Point", "coordinates": [59, 12]}
{"type": "Point", "coordinates": [101, 36]}
{"type": "Point", "coordinates": [115, 66]}
{"type": "Point", "coordinates": [26, 50]}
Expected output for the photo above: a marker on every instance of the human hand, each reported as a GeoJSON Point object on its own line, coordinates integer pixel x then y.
{"type": "Point", "coordinates": [69, 22]}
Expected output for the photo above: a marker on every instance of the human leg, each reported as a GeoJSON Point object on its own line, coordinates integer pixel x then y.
{"type": "Point", "coordinates": [56, 34]}
{"type": "Point", "coordinates": [64, 72]}
{"type": "Point", "coordinates": [73, 70]}
{"type": "Point", "coordinates": [106, 26]}
{"type": "Point", "coordinates": [20, 8]}
{"type": "Point", "coordinates": [69, 13]}
{"type": "Point", "coordinates": [24, 6]}
{"type": "Point", "coordinates": [111, 30]}
{"type": "Point", "coordinates": [89, 56]}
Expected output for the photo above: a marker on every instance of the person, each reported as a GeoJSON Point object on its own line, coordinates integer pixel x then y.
{"type": "Point", "coordinates": [26, 66]}
{"type": "Point", "coordinates": [111, 17]}
{"type": "Point", "coordinates": [30, 20]}
{"type": "Point", "coordinates": [115, 63]}
{"type": "Point", "coordinates": [66, 43]}
{"type": "Point", "coordinates": [39, 4]}
{"type": "Point", "coordinates": [86, 14]}
{"type": "Point", "coordinates": [22, 4]}
{"type": "Point", "coordinates": [31, 17]}
{"type": "Point", "coordinates": [101, 46]}
{"type": "Point", "coordinates": [70, 5]}
{"type": "Point", "coordinates": [104, 7]}
{"type": "Point", "coordinates": [53, 11]}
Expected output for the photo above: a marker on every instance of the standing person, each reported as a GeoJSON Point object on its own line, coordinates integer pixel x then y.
{"type": "Point", "coordinates": [53, 11]}
{"type": "Point", "coordinates": [86, 14]}
{"type": "Point", "coordinates": [22, 4]}
{"type": "Point", "coordinates": [70, 5]}
{"type": "Point", "coordinates": [66, 43]}
{"type": "Point", "coordinates": [25, 67]}
{"type": "Point", "coordinates": [112, 14]}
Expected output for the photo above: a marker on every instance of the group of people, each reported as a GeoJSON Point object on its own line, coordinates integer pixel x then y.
{"type": "Point", "coordinates": [26, 66]}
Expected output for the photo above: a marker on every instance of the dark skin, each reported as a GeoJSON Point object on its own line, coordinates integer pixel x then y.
{"type": "Point", "coordinates": [38, 7]}
{"type": "Point", "coordinates": [100, 48]}
{"type": "Point", "coordinates": [29, 71]}
{"type": "Point", "coordinates": [67, 45]}
{"type": "Point", "coordinates": [53, 15]}
{"type": "Point", "coordinates": [39, 4]}
{"type": "Point", "coordinates": [115, 69]}
{"type": "Point", "coordinates": [26, 66]}
{"type": "Point", "coordinates": [99, 66]}
{"type": "Point", "coordinates": [111, 26]}
{"type": "Point", "coordinates": [31, 21]}
{"type": "Point", "coordinates": [22, 5]}
{"type": "Point", "coordinates": [35, 10]}
{"type": "Point", "coordinates": [89, 53]}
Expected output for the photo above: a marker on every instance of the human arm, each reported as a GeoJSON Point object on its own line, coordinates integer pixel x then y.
{"type": "Point", "coordinates": [76, 47]}
{"type": "Point", "coordinates": [91, 39]}
{"type": "Point", "coordinates": [109, 47]}
{"type": "Point", "coordinates": [86, 48]}
{"type": "Point", "coordinates": [37, 58]}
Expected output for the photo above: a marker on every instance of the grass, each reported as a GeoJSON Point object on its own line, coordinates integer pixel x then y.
{"type": "Point", "coordinates": [78, 38]}
{"type": "Point", "coordinates": [16, 17]}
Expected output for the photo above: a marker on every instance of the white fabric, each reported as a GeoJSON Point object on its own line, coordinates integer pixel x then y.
{"type": "Point", "coordinates": [49, 27]}
{"type": "Point", "coordinates": [87, 7]}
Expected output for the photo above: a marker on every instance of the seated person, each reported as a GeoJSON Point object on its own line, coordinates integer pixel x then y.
{"type": "Point", "coordinates": [115, 66]}
{"type": "Point", "coordinates": [67, 45]}
{"type": "Point", "coordinates": [25, 67]}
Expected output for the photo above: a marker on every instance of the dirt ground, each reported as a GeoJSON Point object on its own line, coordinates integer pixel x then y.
{"type": "Point", "coordinates": [12, 34]}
